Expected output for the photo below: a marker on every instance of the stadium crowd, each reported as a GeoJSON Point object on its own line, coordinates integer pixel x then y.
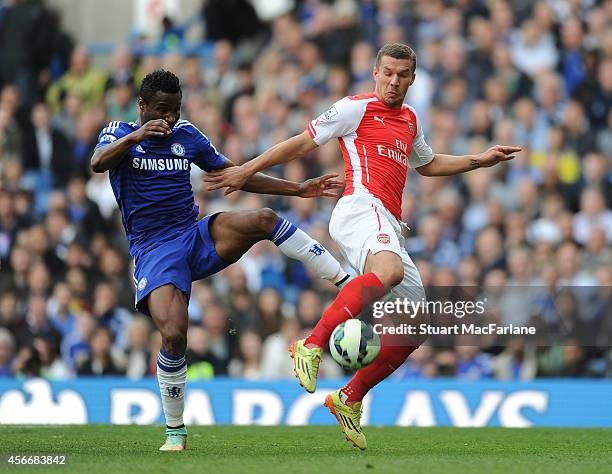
{"type": "Point", "coordinates": [528, 234]}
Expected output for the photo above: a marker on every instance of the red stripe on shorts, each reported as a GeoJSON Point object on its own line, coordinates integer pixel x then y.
{"type": "Point", "coordinates": [377, 216]}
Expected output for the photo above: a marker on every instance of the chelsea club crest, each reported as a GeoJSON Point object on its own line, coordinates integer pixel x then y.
{"type": "Point", "coordinates": [177, 149]}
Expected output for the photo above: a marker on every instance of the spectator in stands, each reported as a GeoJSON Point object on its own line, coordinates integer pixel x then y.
{"type": "Point", "coordinates": [240, 302]}
{"type": "Point", "coordinates": [445, 363]}
{"type": "Point", "coordinates": [471, 363]}
{"type": "Point", "coordinates": [220, 343]}
{"type": "Point", "coordinates": [60, 313]}
{"type": "Point", "coordinates": [110, 315]}
{"type": "Point", "coordinates": [75, 345]}
{"type": "Point", "coordinates": [122, 68]}
{"type": "Point", "coordinates": [82, 211]}
{"type": "Point", "coordinates": [7, 348]}
{"type": "Point", "coordinates": [309, 309]}
{"type": "Point", "coordinates": [99, 191]}
{"type": "Point", "coordinates": [201, 364]}
{"type": "Point", "coordinates": [532, 49]}
{"type": "Point", "coordinates": [85, 137]}
{"type": "Point", "coordinates": [11, 140]}
{"type": "Point", "coordinates": [81, 79]}
{"type": "Point", "coordinates": [11, 316]}
{"type": "Point", "coordinates": [9, 222]}
{"type": "Point", "coordinates": [67, 117]}
{"type": "Point", "coordinates": [47, 156]}
{"type": "Point", "coordinates": [275, 367]}
{"type": "Point", "coordinates": [121, 100]}
{"type": "Point", "coordinates": [516, 362]}
{"type": "Point", "coordinates": [517, 298]}
{"type": "Point", "coordinates": [38, 324]}
{"type": "Point", "coordinates": [114, 270]}
{"type": "Point", "coordinates": [269, 314]}
{"type": "Point", "coordinates": [101, 361]}
{"type": "Point", "coordinates": [489, 249]}
{"type": "Point", "coordinates": [418, 366]}
{"type": "Point", "coordinates": [52, 366]}
{"type": "Point", "coordinates": [597, 252]}
{"type": "Point", "coordinates": [137, 354]}
{"type": "Point", "coordinates": [247, 364]}
{"type": "Point", "coordinates": [570, 268]}
{"type": "Point", "coordinates": [430, 244]}
{"type": "Point", "coordinates": [593, 213]}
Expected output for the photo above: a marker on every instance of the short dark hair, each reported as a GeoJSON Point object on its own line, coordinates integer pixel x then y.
{"type": "Point", "coordinates": [397, 51]}
{"type": "Point", "coordinates": [160, 80]}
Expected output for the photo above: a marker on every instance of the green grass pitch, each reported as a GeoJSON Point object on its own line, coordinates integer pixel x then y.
{"type": "Point", "coordinates": [315, 450]}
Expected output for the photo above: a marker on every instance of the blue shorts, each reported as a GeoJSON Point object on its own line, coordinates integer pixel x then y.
{"type": "Point", "coordinates": [178, 260]}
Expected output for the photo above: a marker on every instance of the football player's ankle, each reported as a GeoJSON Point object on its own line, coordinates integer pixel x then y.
{"type": "Point", "coordinates": [313, 342]}
{"type": "Point", "coordinates": [352, 393]}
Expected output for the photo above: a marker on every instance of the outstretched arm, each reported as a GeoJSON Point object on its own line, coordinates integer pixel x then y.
{"type": "Point", "coordinates": [446, 165]}
{"type": "Point", "coordinates": [237, 177]}
{"type": "Point", "coordinates": [263, 184]}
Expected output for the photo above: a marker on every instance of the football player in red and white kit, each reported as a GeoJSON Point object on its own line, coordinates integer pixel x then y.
{"type": "Point", "coordinates": [380, 138]}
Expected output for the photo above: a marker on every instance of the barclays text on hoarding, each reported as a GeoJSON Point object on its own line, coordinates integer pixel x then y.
{"type": "Point", "coordinates": [418, 403]}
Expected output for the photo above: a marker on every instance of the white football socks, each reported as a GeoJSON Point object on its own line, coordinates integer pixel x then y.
{"type": "Point", "coordinates": [171, 376]}
{"type": "Point", "coordinates": [297, 244]}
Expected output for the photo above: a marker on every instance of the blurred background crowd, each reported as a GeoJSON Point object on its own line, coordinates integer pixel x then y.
{"type": "Point", "coordinates": [535, 74]}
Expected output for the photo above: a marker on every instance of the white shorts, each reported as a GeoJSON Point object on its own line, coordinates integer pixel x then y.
{"type": "Point", "coordinates": [361, 224]}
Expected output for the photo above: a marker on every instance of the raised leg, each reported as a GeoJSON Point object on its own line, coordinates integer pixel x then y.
{"type": "Point", "coordinates": [235, 232]}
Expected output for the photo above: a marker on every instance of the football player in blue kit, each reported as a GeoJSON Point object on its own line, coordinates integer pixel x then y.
{"type": "Point", "coordinates": [149, 165]}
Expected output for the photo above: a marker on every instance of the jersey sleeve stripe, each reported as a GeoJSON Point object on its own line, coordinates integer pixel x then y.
{"type": "Point", "coordinates": [111, 127]}
{"type": "Point", "coordinates": [311, 130]}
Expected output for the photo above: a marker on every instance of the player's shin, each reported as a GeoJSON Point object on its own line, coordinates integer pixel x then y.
{"type": "Point", "coordinates": [297, 244]}
{"type": "Point", "coordinates": [171, 375]}
{"type": "Point", "coordinates": [358, 293]}
{"type": "Point", "coordinates": [388, 360]}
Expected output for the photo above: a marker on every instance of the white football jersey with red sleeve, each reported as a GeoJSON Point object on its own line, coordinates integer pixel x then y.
{"type": "Point", "coordinates": [378, 144]}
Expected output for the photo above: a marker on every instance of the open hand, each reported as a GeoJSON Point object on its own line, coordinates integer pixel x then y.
{"type": "Point", "coordinates": [321, 186]}
{"type": "Point", "coordinates": [233, 178]}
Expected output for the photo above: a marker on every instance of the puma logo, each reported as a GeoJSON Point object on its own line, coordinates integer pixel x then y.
{"type": "Point", "coordinates": [379, 119]}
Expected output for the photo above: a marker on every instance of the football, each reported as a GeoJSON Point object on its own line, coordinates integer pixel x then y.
{"type": "Point", "coordinates": [354, 344]}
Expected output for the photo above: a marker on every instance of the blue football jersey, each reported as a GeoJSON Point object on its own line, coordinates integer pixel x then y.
{"type": "Point", "coordinates": [152, 182]}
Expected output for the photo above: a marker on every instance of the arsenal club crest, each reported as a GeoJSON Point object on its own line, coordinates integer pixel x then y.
{"type": "Point", "coordinates": [384, 238]}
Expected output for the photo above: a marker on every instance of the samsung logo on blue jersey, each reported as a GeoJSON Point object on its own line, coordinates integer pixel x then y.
{"type": "Point", "coordinates": [160, 164]}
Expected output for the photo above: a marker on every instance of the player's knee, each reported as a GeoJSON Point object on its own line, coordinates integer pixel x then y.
{"type": "Point", "coordinates": [391, 274]}
{"type": "Point", "coordinates": [266, 220]}
{"type": "Point", "coordinates": [174, 339]}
